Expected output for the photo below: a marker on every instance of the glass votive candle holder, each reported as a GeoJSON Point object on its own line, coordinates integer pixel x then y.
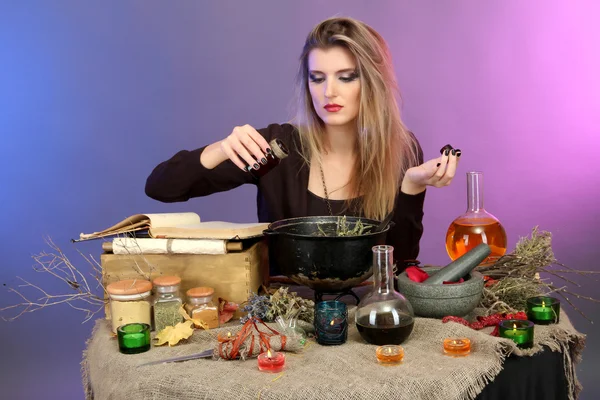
{"type": "Point", "coordinates": [389, 354]}
{"type": "Point", "coordinates": [543, 310]}
{"type": "Point", "coordinates": [519, 331]}
{"type": "Point", "coordinates": [331, 322]}
{"type": "Point", "coordinates": [457, 347]}
{"type": "Point", "coordinates": [133, 338]}
{"type": "Point", "coordinates": [271, 361]}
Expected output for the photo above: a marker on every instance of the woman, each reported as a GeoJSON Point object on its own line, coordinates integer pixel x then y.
{"type": "Point", "coordinates": [350, 152]}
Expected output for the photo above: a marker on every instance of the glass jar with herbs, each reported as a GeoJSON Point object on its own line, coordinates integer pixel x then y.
{"type": "Point", "coordinates": [167, 302]}
{"type": "Point", "coordinates": [129, 302]}
{"type": "Point", "coordinates": [200, 306]}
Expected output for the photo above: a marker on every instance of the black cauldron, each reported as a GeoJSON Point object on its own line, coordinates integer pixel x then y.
{"type": "Point", "coordinates": [327, 263]}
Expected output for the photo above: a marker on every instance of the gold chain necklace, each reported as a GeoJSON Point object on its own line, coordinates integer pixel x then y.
{"type": "Point", "coordinates": [325, 190]}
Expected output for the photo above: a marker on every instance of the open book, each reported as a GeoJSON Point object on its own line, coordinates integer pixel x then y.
{"type": "Point", "coordinates": [180, 226]}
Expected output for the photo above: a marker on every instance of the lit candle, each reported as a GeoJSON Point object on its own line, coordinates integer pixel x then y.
{"type": "Point", "coordinates": [543, 310]}
{"type": "Point", "coordinates": [457, 347]}
{"type": "Point", "coordinates": [331, 322]}
{"type": "Point", "coordinates": [519, 331]}
{"type": "Point", "coordinates": [222, 338]}
{"type": "Point", "coordinates": [271, 361]}
{"type": "Point", "coordinates": [390, 354]}
{"type": "Point", "coordinates": [133, 338]}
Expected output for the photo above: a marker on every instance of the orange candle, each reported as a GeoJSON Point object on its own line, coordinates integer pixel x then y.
{"type": "Point", "coordinates": [390, 354]}
{"type": "Point", "coordinates": [457, 347]}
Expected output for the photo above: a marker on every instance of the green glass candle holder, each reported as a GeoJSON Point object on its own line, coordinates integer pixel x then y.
{"type": "Point", "coordinates": [133, 338]}
{"type": "Point", "coordinates": [543, 310]}
{"type": "Point", "coordinates": [519, 331]}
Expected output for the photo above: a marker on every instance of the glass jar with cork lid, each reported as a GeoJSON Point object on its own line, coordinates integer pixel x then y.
{"type": "Point", "coordinates": [167, 302]}
{"type": "Point", "coordinates": [129, 302]}
{"type": "Point", "coordinates": [200, 306]}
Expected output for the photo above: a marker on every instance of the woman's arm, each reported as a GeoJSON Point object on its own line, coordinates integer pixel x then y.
{"type": "Point", "coordinates": [209, 169]}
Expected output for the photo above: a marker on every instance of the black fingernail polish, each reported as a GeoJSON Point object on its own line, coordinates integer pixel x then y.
{"type": "Point", "coordinates": [438, 164]}
{"type": "Point", "coordinates": [447, 152]}
{"type": "Point", "coordinates": [445, 148]}
{"type": "Point", "coordinates": [453, 152]}
{"type": "Point", "coordinates": [256, 166]}
{"type": "Point", "coordinates": [247, 168]}
{"type": "Point", "coordinates": [458, 152]}
{"type": "Point", "coordinates": [269, 150]}
{"type": "Point", "coordinates": [263, 161]}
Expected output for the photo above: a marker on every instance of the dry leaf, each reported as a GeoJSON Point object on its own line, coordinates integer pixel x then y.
{"type": "Point", "coordinates": [198, 323]}
{"type": "Point", "coordinates": [173, 334]}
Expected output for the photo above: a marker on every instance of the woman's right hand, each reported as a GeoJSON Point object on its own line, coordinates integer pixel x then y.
{"type": "Point", "coordinates": [244, 146]}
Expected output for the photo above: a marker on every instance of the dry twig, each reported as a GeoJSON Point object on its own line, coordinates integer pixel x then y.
{"type": "Point", "coordinates": [82, 295]}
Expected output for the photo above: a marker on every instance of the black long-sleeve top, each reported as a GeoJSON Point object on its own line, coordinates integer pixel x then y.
{"type": "Point", "coordinates": [282, 193]}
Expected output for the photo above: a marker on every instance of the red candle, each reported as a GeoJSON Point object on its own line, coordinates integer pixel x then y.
{"type": "Point", "coordinates": [271, 361]}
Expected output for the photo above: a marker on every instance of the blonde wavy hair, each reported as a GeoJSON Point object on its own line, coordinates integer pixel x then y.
{"type": "Point", "coordinates": [385, 148]}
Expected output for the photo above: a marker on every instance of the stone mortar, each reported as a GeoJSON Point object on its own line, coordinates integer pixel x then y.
{"type": "Point", "coordinates": [438, 300]}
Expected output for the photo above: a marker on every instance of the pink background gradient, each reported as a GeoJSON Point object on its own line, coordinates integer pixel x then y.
{"type": "Point", "coordinates": [94, 95]}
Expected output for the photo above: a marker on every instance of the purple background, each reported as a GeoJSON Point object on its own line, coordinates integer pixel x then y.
{"type": "Point", "coordinates": [93, 95]}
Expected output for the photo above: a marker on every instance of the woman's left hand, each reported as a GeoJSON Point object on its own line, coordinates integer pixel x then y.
{"type": "Point", "coordinates": [436, 172]}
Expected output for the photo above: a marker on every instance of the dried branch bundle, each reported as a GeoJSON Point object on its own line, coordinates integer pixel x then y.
{"type": "Point", "coordinates": [515, 277]}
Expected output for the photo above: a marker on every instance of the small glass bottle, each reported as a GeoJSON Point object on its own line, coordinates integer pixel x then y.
{"type": "Point", "coordinates": [200, 306]}
{"type": "Point", "coordinates": [384, 316]}
{"type": "Point", "coordinates": [167, 302]}
{"type": "Point", "coordinates": [129, 302]}
{"type": "Point", "coordinates": [277, 152]}
{"type": "Point", "coordinates": [476, 225]}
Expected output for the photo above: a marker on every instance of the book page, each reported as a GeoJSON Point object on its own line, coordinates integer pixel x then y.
{"type": "Point", "coordinates": [211, 230]}
{"type": "Point", "coordinates": [145, 221]}
{"type": "Point", "coordinates": [173, 219]}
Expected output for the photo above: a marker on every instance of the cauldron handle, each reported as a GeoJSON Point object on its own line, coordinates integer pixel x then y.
{"type": "Point", "coordinates": [269, 232]}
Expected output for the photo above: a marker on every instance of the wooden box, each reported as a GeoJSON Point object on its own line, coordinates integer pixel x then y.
{"type": "Point", "coordinates": [234, 276]}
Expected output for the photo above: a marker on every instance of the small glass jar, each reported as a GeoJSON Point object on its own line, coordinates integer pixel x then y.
{"type": "Point", "coordinates": [129, 302]}
{"type": "Point", "coordinates": [275, 154]}
{"type": "Point", "coordinates": [167, 302]}
{"type": "Point", "coordinates": [200, 306]}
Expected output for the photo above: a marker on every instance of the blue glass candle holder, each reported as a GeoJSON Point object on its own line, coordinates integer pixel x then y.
{"type": "Point", "coordinates": [331, 322]}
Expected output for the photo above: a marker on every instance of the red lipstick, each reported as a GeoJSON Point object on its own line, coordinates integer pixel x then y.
{"type": "Point", "coordinates": [333, 107]}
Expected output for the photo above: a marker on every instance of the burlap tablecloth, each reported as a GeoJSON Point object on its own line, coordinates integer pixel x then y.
{"type": "Point", "coordinates": [349, 371]}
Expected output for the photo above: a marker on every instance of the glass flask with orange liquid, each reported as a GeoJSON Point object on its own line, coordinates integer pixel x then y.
{"type": "Point", "coordinates": [476, 225]}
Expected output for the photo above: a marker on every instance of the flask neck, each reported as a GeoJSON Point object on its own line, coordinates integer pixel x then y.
{"type": "Point", "coordinates": [474, 191]}
{"type": "Point", "coordinates": [383, 269]}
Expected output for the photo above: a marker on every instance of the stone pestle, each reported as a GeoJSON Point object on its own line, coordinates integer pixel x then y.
{"type": "Point", "coordinates": [460, 267]}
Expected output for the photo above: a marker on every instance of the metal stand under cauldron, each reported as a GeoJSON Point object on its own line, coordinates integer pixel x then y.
{"type": "Point", "coordinates": [338, 295]}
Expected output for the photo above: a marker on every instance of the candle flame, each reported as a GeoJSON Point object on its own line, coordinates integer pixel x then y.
{"type": "Point", "coordinates": [332, 322]}
{"type": "Point", "coordinates": [269, 353]}
{"type": "Point", "coordinates": [543, 303]}
{"type": "Point", "coordinates": [228, 334]}
{"type": "Point", "coordinates": [515, 327]}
